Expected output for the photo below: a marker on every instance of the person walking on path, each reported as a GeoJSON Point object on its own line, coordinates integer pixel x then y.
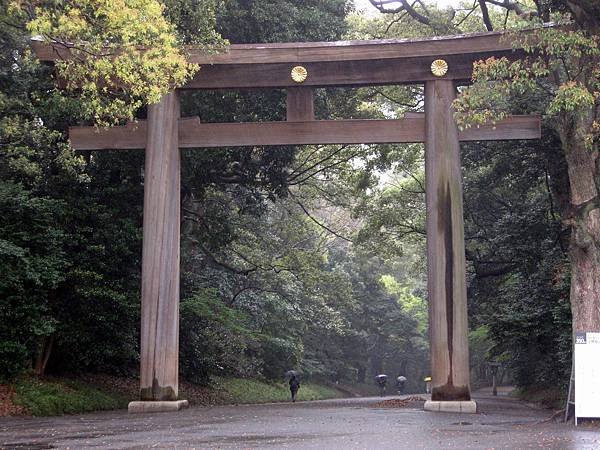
{"type": "Point", "coordinates": [400, 382]}
{"type": "Point", "coordinates": [381, 381]}
{"type": "Point", "coordinates": [427, 381]}
{"type": "Point", "coordinates": [294, 386]}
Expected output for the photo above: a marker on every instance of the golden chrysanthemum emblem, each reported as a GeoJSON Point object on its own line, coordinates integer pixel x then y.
{"type": "Point", "coordinates": [299, 74]}
{"type": "Point", "coordinates": [439, 67]}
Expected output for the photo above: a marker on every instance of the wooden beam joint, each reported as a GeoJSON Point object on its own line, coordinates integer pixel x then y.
{"type": "Point", "coordinates": [300, 104]}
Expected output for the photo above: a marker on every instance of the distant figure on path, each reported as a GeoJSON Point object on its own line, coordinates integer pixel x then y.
{"type": "Point", "coordinates": [400, 382]}
{"type": "Point", "coordinates": [294, 386]}
{"type": "Point", "coordinates": [427, 381]}
{"type": "Point", "coordinates": [381, 381]}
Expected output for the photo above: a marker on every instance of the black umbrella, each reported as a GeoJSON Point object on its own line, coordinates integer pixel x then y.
{"type": "Point", "coordinates": [292, 374]}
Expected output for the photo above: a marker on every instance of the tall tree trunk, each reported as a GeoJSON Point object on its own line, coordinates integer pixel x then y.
{"type": "Point", "coordinates": [586, 13]}
{"type": "Point", "coordinates": [584, 218]}
{"type": "Point", "coordinates": [44, 349]}
{"type": "Point", "coordinates": [362, 374]}
{"type": "Point", "coordinates": [585, 274]}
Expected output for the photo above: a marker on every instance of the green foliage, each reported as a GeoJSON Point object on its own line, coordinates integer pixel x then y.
{"type": "Point", "coordinates": [414, 306]}
{"type": "Point", "coordinates": [280, 355]}
{"type": "Point", "coordinates": [97, 306]}
{"type": "Point", "coordinates": [112, 68]}
{"type": "Point", "coordinates": [561, 68]}
{"type": "Point", "coordinates": [551, 397]}
{"type": "Point", "coordinates": [480, 345]}
{"type": "Point", "coordinates": [570, 97]}
{"type": "Point", "coordinates": [213, 338]}
{"type": "Point", "coordinates": [48, 398]}
{"type": "Point", "coordinates": [519, 287]}
{"type": "Point", "coordinates": [73, 249]}
{"type": "Point", "coordinates": [34, 164]}
{"type": "Point", "coordinates": [195, 22]}
{"type": "Point", "coordinates": [282, 20]}
{"type": "Point", "coordinates": [32, 263]}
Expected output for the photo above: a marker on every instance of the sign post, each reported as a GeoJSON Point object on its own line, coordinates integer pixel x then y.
{"type": "Point", "coordinates": [587, 375]}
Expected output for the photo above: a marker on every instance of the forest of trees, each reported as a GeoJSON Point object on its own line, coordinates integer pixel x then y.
{"type": "Point", "coordinates": [306, 257]}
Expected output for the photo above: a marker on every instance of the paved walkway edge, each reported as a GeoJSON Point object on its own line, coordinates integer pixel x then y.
{"type": "Point", "coordinates": [469, 407]}
{"type": "Point", "coordinates": [152, 407]}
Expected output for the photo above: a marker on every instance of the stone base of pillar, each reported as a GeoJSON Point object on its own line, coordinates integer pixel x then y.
{"type": "Point", "coordinates": [468, 407]}
{"type": "Point", "coordinates": [156, 406]}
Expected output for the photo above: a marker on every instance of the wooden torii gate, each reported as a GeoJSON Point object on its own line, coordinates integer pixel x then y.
{"type": "Point", "coordinates": [439, 63]}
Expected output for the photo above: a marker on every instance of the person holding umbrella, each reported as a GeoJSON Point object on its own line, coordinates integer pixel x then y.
{"type": "Point", "coordinates": [381, 380]}
{"type": "Point", "coordinates": [427, 381]}
{"type": "Point", "coordinates": [294, 383]}
{"type": "Point", "coordinates": [400, 382]}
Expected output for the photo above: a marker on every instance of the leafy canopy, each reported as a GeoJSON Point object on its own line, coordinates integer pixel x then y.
{"type": "Point", "coordinates": [124, 53]}
{"type": "Point", "coordinates": [562, 67]}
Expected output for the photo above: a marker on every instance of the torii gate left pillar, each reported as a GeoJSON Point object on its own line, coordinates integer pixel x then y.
{"type": "Point", "coordinates": [159, 348]}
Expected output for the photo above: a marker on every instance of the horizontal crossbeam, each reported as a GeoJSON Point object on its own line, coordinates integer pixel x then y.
{"type": "Point", "coordinates": [194, 134]}
{"type": "Point", "coordinates": [357, 73]}
{"type": "Point", "coordinates": [304, 52]}
{"type": "Point", "coordinates": [345, 63]}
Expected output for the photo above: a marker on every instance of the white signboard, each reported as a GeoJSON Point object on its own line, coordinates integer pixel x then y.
{"type": "Point", "coordinates": [587, 375]}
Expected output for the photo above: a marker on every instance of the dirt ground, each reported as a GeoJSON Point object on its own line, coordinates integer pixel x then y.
{"type": "Point", "coordinates": [7, 407]}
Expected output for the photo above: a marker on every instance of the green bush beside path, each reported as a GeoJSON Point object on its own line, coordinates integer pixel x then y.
{"type": "Point", "coordinates": [53, 398]}
{"type": "Point", "coordinates": [59, 396]}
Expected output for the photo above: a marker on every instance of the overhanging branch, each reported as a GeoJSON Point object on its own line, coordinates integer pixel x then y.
{"type": "Point", "coordinates": [322, 225]}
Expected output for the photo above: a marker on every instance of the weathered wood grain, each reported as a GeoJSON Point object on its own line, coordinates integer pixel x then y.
{"type": "Point", "coordinates": [446, 281]}
{"type": "Point", "coordinates": [131, 136]}
{"type": "Point", "coordinates": [372, 72]}
{"type": "Point", "coordinates": [159, 355]}
{"type": "Point", "coordinates": [193, 133]}
{"type": "Point", "coordinates": [511, 128]}
{"type": "Point", "coordinates": [355, 50]}
{"type": "Point", "coordinates": [300, 104]}
{"type": "Point", "coordinates": [294, 52]}
{"type": "Point", "coordinates": [354, 63]}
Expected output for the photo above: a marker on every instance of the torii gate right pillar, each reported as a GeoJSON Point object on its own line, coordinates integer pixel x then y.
{"type": "Point", "coordinates": [446, 281]}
